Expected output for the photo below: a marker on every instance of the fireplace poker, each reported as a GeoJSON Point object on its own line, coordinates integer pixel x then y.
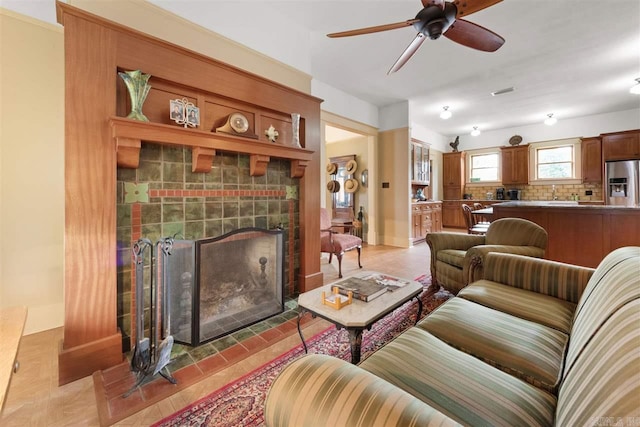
{"type": "Point", "coordinates": [163, 351]}
{"type": "Point", "coordinates": [141, 358]}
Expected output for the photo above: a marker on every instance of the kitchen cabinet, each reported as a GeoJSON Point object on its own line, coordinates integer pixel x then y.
{"type": "Point", "coordinates": [453, 175]}
{"type": "Point", "coordinates": [621, 145]}
{"type": "Point", "coordinates": [452, 216]}
{"type": "Point", "coordinates": [419, 162]}
{"type": "Point", "coordinates": [515, 165]}
{"type": "Point", "coordinates": [591, 150]}
{"type": "Point", "coordinates": [425, 218]}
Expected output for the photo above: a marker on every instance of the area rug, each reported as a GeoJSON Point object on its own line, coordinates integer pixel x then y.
{"type": "Point", "coordinates": [241, 403]}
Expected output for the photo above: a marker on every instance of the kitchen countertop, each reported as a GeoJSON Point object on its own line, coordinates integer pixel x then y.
{"type": "Point", "coordinates": [559, 204]}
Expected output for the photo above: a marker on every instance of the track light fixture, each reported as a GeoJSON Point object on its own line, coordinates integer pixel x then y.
{"type": "Point", "coordinates": [445, 114]}
{"type": "Point", "coordinates": [550, 120]}
{"type": "Point", "coordinates": [475, 131]}
{"type": "Point", "coordinates": [635, 89]}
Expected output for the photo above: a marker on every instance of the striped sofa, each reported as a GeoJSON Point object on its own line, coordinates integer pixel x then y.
{"type": "Point", "coordinates": [457, 259]}
{"type": "Point", "coordinates": [533, 343]}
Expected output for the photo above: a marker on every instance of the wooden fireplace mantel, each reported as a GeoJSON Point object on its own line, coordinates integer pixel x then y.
{"type": "Point", "coordinates": [98, 138]}
{"type": "Point", "coordinates": [129, 134]}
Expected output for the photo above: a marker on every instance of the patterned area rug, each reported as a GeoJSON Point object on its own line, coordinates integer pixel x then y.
{"type": "Point", "coordinates": [240, 403]}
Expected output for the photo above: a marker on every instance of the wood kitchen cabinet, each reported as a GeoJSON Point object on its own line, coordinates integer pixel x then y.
{"type": "Point", "coordinates": [452, 216]}
{"type": "Point", "coordinates": [453, 175]}
{"type": "Point", "coordinates": [515, 165]}
{"type": "Point", "coordinates": [419, 162]}
{"type": "Point", "coordinates": [425, 218]}
{"type": "Point", "coordinates": [591, 160]}
{"type": "Point", "coordinates": [621, 145]}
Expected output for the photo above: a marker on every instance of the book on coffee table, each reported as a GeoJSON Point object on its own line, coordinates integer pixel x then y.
{"type": "Point", "coordinates": [363, 289]}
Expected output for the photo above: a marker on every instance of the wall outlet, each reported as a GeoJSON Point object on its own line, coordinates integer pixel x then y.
{"type": "Point", "coordinates": [588, 193]}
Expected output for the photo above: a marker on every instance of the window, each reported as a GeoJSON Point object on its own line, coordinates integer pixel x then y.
{"type": "Point", "coordinates": [484, 167]}
{"type": "Point", "coordinates": [555, 162]}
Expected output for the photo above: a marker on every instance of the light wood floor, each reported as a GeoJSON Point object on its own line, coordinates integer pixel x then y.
{"type": "Point", "coordinates": [34, 398]}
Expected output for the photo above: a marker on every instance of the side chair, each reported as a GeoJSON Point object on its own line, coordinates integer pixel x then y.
{"type": "Point", "coordinates": [335, 243]}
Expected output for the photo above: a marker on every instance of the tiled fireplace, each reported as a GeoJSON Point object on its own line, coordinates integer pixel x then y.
{"type": "Point", "coordinates": [162, 198]}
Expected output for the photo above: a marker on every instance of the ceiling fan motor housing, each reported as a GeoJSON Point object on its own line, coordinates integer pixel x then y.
{"type": "Point", "coordinates": [434, 20]}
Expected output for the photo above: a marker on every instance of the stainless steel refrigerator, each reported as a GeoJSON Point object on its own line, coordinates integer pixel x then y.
{"type": "Point", "coordinates": [623, 183]}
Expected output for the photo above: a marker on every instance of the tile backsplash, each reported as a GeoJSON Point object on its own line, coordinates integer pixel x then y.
{"type": "Point", "coordinates": [542, 192]}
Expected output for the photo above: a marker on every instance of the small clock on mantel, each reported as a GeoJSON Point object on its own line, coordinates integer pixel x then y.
{"type": "Point", "coordinates": [237, 124]}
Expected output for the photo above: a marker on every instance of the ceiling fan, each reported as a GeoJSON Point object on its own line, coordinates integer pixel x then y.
{"type": "Point", "coordinates": [437, 18]}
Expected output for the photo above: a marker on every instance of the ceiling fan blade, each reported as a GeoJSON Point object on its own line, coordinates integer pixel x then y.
{"type": "Point", "coordinates": [468, 7]}
{"type": "Point", "coordinates": [408, 52]}
{"type": "Point", "coordinates": [439, 3]}
{"type": "Point", "coordinates": [474, 36]}
{"type": "Point", "coordinates": [374, 29]}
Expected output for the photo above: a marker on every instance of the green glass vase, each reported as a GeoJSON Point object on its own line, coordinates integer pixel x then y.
{"type": "Point", "coordinates": [138, 87]}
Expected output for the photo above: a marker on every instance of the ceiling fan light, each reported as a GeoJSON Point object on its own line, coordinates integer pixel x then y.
{"type": "Point", "coordinates": [445, 114]}
{"type": "Point", "coordinates": [475, 131]}
{"type": "Point", "coordinates": [550, 120]}
{"type": "Point", "coordinates": [635, 89]}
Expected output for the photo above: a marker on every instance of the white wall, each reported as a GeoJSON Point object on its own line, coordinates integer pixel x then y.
{"type": "Point", "coordinates": [569, 128]}
{"type": "Point", "coordinates": [32, 169]}
{"type": "Point", "coordinates": [394, 116]}
{"type": "Point", "coordinates": [343, 104]}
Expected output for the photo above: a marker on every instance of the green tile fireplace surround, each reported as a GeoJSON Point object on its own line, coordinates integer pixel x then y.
{"type": "Point", "coordinates": [162, 197]}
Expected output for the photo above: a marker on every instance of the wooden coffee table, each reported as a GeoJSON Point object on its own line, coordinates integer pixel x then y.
{"type": "Point", "coordinates": [359, 315]}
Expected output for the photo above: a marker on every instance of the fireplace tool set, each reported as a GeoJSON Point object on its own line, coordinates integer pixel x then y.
{"type": "Point", "coordinates": [150, 358]}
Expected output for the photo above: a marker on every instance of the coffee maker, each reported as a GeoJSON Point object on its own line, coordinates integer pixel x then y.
{"type": "Point", "coordinates": [500, 193]}
{"type": "Point", "coordinates": [514, 194]}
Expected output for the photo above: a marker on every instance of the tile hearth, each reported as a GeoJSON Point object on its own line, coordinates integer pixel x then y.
{"type": "Point", "coordinates": [189, 365]}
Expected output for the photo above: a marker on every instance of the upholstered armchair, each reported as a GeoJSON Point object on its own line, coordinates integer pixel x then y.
{"type": "Point", "coordinates": [456, 258]}
{"type": "Point", "coordinates": [335, 243]}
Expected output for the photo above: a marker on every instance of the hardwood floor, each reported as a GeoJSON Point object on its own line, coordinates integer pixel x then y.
{"type": "Point", "coordinates": [34, 398]}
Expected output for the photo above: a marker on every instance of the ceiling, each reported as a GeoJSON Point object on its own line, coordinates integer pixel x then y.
{"type": "Point", "coordinates": [571, 58]}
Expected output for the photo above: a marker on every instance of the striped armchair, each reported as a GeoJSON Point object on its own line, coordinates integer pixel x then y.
{"type": "Point", "coordinates": [534, 343]}
{"type": "Point", "coordinates": [457, 259]}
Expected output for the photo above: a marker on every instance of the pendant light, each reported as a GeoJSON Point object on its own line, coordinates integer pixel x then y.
{"type": "Point", "coordinates": [475, 131]}
{"type": "Point", "coordinates": [635, 89]}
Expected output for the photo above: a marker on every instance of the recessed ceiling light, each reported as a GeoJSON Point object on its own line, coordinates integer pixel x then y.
{"type": "Point", "coordinates": [445, 114]}
{"type": "Point", "coordinates": [550, 120]}
{"type": "Point", "coordinates": [503, 91]}
{"type": "Point", "coordinates": [635, 89]}
{"type": "Point", "coordinates": [475, 131]}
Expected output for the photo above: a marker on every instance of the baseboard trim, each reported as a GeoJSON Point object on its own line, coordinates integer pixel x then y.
{"type": "Point", "coordinates": [83, 360]}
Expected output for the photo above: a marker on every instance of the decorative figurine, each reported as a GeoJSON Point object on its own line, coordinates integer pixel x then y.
{"type": "Point", "coordinates": [271, 133]}
{"type": "Point", "coordinates": [454, 144]}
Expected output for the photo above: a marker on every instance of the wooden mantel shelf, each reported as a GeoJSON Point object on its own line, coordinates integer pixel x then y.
{"type": "Point", "coordinates": [129, 134]}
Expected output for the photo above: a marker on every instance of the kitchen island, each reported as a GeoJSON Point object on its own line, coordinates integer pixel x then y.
{"type": "Point", "coordinates": [578, 234]}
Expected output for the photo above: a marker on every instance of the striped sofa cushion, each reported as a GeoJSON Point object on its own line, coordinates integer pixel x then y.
{"type": "Point", "coordinates": [451, 256]}
{"type": "Point", "coordinates": [459, 385]}
{"type": "Point", "coordinates": [556, 279]}
{"type": "Point", "coordinates": [530, 351]}
{"type": "Point", "coordinates": [615, 283]}
{"type": "Point", "coordinates": [323, 391]}
{"type": "Point", "coordinates": [549, 311]}
{"type": "Point", "coordinates": [603, 387]}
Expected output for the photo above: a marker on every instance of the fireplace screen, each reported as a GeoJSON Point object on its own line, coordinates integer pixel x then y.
{"type": "Point", "coordinates": [231, 282]}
